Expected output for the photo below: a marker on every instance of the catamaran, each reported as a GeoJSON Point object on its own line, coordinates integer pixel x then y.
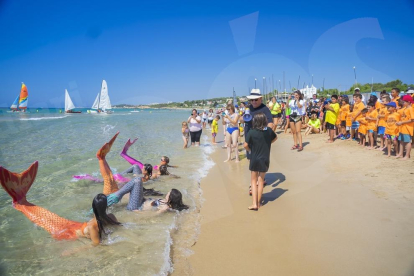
{"type": "Point", "coordinates": [102, 103]}
{"type": "Point", "coordinates": [20, 103]}
{"type": "Point", "coordinates": [69, 106]}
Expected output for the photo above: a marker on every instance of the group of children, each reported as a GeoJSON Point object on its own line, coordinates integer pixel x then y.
{"type": "Point", "coordinates": [390, 118]}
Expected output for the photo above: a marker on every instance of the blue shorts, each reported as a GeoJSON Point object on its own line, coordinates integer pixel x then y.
{"type": "Point", "coordinates": [355, 125]}
{"type": "Point", "coordinates": [406, 138]}
{"type": "Point", "coordinates": [381, 130]}
{"type": "Point", "coordinates": [371, 131]}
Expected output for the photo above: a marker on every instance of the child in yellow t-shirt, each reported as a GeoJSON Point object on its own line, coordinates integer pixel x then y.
{"type": "Point", "coordinates": [391, 127]}
{"type": "Point", "coordinates": [214, 129]}
{"type": "Point", "coordinates": [363, 127]}
{"type": "Point", "coordinates": [372, 117]}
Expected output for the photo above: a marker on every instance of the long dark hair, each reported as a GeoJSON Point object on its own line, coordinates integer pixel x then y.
{"type": "Point", "coordinates": [175, 200]}
{"type": "Point", "coordinates": [299, 94]}
{"type": "Point", "coordinates": [148, 168]}
{"type": "Point", "coordinates": [163, 170]}
{"type": "Point", "coordinates": [99, 206]}
{"type": "Point", "coordinates": [259, 121]}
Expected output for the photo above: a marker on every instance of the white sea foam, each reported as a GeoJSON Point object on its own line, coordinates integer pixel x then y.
{"type": "Point", "coordinates": [42, 118]}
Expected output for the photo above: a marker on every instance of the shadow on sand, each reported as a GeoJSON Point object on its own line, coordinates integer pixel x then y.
{"type": "Point", "coordinates": [273, 179]}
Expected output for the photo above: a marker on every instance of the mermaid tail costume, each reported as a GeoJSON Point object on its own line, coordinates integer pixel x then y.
{"type": "Point", "coordinates": [17, 185]}
{"type": "Point", "coordinates": [129, 159]}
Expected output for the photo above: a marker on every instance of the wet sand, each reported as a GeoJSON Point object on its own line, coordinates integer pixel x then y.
{"type": "Point", "coordinates": [333, 209]}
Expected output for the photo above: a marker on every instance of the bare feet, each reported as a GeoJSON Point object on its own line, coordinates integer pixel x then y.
{"type": "Point", "coordinates": [252, 208]}
{"type": "Point", "coordinates": [227, 160]}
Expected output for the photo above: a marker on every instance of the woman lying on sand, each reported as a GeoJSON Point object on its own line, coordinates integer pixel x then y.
{"type": "Point", "coordinates": [18, 184]}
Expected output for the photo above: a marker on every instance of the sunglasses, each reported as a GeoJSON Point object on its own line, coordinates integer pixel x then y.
{"type": "Point", "coordinates": [254, 100]}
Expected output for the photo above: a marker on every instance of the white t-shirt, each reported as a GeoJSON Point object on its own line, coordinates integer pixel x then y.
{"type": "Point", "coordinates": [295, 109]}
{"type": "Point", "coordinates": [194, 125]}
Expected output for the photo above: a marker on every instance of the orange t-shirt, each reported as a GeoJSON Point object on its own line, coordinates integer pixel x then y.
{"type": "Point", "coordinates": [395, 101]}
{"type": "Point", "coordinates": [383, 111]}
{"type": "Point", "coordinates": [377, 105]}
{"type": "Point", "coordinates": [363, 125]}
{"type": "Point", "coordinates": [401, 112]}
{"type": "Point", "coordinates": [357, 107]}
{"type": "Point", "coordinates": [407, 114]}
{"type": "Point", "coordinates": [344, 111]}
{"type": "Point", "coordinates": [372, 124]}
{"type": "Point", "coordinates": [349, 120]}
{"type": "Point", "coordinates": [390, 126]}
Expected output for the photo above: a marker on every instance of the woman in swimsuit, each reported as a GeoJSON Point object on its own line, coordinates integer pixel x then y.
{"type": "Point", "coordinates": [232, 130]}
{"type": "Point", "coordinates": [18, 184]}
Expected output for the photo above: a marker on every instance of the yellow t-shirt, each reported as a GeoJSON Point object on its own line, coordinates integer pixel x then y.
{"type": "Point", "coordinates": [214, 127]}
{"type": "Point", "coordinates": [331, 116]}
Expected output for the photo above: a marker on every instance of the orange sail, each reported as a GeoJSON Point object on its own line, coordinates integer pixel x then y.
{"type": "Point", "coordinates": [23, 97]}
{"type": "Point", "coordinates": [17, 185]}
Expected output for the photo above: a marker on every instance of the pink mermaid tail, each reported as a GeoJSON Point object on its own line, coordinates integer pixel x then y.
{"type": "Point", "coordinates": [17, 185]}
{"type": "Point", "coordinates": [110, 185]}
{"type": "Point", "coordinates": [119, 178]}
{"type": "Point", "coordinates": [129, 159]}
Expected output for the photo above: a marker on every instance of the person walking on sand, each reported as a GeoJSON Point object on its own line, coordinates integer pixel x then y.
{"type": "Point", "coordinates": [258, 142]}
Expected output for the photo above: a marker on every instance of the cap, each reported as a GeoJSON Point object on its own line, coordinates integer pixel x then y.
{"type": "Point", "coordinates": [356, 88]}
{"type": "Point", "coordinates": [373, 94]}
{"type": "Point", "coordinates": [407, 98]}
{"type": "Point", "coordinates": [393, 104]}
{"type": "Point", "coordinates": [410, 90]}
{"type": "Point", "coordinates": [236, 106]}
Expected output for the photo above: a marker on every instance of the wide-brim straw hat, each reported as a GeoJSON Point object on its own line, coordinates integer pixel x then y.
{"type": "Point", "coordinates": [254, 94]}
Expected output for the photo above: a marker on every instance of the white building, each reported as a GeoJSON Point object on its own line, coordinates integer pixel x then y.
{"type": "Point", "coordinates": [308, 91]}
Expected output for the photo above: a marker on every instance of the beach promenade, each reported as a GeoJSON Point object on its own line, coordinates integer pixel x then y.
{"type": "Point", "coordinates": [332, 209]}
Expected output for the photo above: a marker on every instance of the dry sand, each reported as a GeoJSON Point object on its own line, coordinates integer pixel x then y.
{"type": "Point", "coordinates": [333, 209]}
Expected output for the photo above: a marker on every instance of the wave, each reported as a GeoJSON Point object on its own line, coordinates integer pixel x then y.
{"type": "Point", "coordinates": [42, 118]}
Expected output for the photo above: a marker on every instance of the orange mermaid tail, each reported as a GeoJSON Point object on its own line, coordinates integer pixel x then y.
{"type": "Point", "coordinates": [110, 185]}
{"type": "Point", "coordinates": [17, 185]}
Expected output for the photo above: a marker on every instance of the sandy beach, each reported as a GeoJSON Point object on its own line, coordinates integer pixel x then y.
{"type": "Point", "coordinates": [333, 209]}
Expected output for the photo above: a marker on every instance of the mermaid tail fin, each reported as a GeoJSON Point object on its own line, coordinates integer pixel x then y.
{"type": "Point", "coordinates": [128, 158]}
{"type": "Point", "coordinates": [18, 184]}
{"type": "Point", "coordinates": [128, 144]}
{"type": "Point", "coordinates": [102, 152]}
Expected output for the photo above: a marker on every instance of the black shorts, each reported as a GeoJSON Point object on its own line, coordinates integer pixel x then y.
{"type": "Point", "coordinates": [210, 121]}
{"type": "Point", "coordinates": [330, 126]}
{"type": "Point", "coordinates": [277, 115]}
{"type": "Point", "coordinates": [195, 136]}
{"type": "Point", "coordinates": [343, 123]}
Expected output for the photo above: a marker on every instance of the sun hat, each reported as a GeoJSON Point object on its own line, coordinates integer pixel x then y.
{"type": "Point", "coordinates": [357, 88]}
{"type": "Point", "coordinates": [410, 90]}
{"type": "Point", "coordinates": [407, 98]}
{"type": "Point", "coordinates": [393, 104]}
{"type": "Point", "coordinates": [254, 94]}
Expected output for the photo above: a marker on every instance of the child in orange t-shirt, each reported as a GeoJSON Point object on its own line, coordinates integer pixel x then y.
{"type": "Point", "coordinates": [406, 127]}
{"type": "Point", "coordinates": [391, 127]}
{"type": "Point", "coordinates": [343, 112]}
{"type": "Point", "coordinates": [372, 117]}
{"type": "Point", "coordinates": [348, 122]}
{"type": "Point", "coordinates": [382, 119]}
{"type": "Point", "coordinates": [356, 114]}
{"type": "Point", "coordinates": [363, 127]}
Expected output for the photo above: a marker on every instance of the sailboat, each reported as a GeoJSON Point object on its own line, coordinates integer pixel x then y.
{"type": "Point", "coordinates": [69, 106]}
{"type": "Point", "coordinates": [20, 103]}
{"type": "Point", "coordinates": [102, 103]}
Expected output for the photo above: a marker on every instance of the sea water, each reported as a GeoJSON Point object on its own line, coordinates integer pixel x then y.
{"type": "Point", "coordinates": [66, 145]}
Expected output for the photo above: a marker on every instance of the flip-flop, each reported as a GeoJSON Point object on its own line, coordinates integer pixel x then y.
{"type": "Point", "coordinates": [300, 148]}
{"type": "Point", "coordinates": [294, 147]}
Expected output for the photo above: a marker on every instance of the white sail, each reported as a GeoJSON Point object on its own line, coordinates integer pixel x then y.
{"type": "Point", "coordinates": [96, 103]}
{"type": "Point", "coordinates": [68, 102]}
{"type": "Point", "coordinates": [105, 102]}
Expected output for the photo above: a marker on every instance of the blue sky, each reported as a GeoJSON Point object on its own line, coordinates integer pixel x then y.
{"type": "Point", "coordinates": [172, 51]}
